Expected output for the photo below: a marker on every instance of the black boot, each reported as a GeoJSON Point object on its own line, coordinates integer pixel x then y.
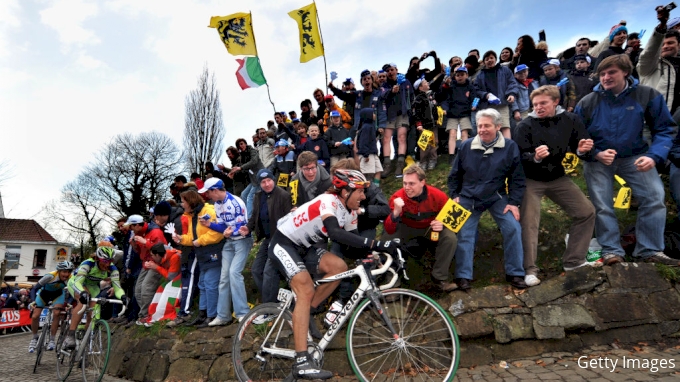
{"type": "Point", "coordinates": [204, 323]}
{"type": "Point", "coordinates": [199, 319]}
{"type": "Point", "coordinates": [306, 368]}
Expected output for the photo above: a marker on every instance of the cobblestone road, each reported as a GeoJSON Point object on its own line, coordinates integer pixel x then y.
{"type": "Point", "coordinates": [16, 364]}
{"type": "Point", "coordinates": [597, 364]}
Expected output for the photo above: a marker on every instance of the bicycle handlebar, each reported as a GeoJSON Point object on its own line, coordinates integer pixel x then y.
{"type": "Point", "coordinates": [102, 301]}
{"type": "Point", "coordinates": [386, 268]}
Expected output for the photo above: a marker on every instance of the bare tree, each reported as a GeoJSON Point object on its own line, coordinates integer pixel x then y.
{"type": "Point", "coordinates": [78, 213]}
{"type": "Point", "coordinates": [203, 127]}
{"type": "Point", "coordinates": [6, 171]}
{"type": "Point", "coordinates": [132, 173]}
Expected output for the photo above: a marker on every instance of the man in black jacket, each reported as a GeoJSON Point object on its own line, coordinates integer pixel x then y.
{"type": "Point", "coordinates": [544, 138]}
{"type": "Point", "coordinates": [271, 204]}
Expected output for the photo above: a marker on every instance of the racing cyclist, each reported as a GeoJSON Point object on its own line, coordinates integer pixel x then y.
{"type": "Point", "coordinates": [298, 249]}
{"type": "Point", "coordinates": [85, 283]}
{"type": "Point", "coordinates": [51, 287]}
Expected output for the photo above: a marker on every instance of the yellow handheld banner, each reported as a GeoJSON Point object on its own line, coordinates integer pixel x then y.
{"type": "Point", "coordinates": [426, 136]}
{"type": "Point", "coordinates": [569, 163]}
{"type": "Point", "coordinates": [294, 191]}
{"type": "Point", "coordinates": [236, 32]}
{"type": "Point", "coordinates": [409, 161]}
{"type": "Point", "coordinates": [283, 180]}
{"type": "Point", "coordinates": [453, 216]}
{"type": "Point", "coordinates": [622, 200]}
{"type": "Point", "coordinates": [311, 46]}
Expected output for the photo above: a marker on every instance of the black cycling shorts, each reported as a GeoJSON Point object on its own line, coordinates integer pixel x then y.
{"type": "Point", "coordinates": [291, 259]}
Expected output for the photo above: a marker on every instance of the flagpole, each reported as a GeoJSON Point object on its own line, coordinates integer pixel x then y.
{"type": "Point", "coordinates": [318, 22]}
{"type": "Point", "coordinates": [259, 62]}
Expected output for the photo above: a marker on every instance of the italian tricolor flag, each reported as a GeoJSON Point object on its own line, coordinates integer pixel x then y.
{"type": "Point", "coordinates": [249, 73]}
{"type": "Point", "coordinates": [166, 300]}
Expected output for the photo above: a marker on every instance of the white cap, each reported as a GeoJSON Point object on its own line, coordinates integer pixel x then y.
{"type": "Point", "coordinates": [134, 219]}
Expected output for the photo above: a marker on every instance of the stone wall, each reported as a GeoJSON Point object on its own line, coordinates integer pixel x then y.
{"type": "Point", "coordinates": [626, 303]}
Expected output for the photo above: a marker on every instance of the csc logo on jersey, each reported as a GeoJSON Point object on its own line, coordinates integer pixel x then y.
{"type": "Point", "coordinates": [300, 219]}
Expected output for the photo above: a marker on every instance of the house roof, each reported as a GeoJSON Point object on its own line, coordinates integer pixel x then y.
{"type": "Point", "coordinates": [23, 230]}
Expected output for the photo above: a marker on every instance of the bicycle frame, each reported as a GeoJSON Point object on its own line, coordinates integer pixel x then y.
{"type": "Point", "coordinates": [86, 341]}
{"type": "Point", "coordinates": [366, 286]}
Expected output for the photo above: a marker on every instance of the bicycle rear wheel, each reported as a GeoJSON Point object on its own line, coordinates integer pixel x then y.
{"type": "Point", "coordinates": [426, 349]}
{"type": "Point", "coordinates": [42, 344]}
{"type": "Point", "coordinates": [96, 355]}
{"type": "Point", "coordinates": [65, 358]}
{"type": "Point", "coordinates": [251, 362]}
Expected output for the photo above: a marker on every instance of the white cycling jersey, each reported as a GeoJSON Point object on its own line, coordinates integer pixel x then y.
{"type": "Point", "coordinates": [304, 226]}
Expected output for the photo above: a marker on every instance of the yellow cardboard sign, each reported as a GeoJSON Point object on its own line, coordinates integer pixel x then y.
{"type": "Point", "coordinates": [620, 180]}
{"type": "Point", "coordinates": [294, 191]}
{"type": "Point", "coordinates": [409, 160]}
{"type": "Point", "coordinates": [426, 138]}
{"type": "Point", "coordinates": [622, 200]}
{"type": "Point", "coordinates": [569, 163]}
{"type": "Point", "coordinates": [283, 180]}
{"type": "Point", "coordinates": [453, 216]}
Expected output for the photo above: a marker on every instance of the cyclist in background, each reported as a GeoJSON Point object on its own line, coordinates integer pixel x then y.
{"type": "Point", "coordinates": [51, 287]}
{"type": "Point", "coordinates": [85, 284]}
{"type": "Point", "coordinates": [298, 249]}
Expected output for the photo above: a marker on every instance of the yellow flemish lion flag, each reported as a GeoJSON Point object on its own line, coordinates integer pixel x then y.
{"type": "Point", "coordinates": [236, 32]}
{"type": "Point", "coordinates": [310, 37]}
{"type": "Point", "coordinates": [453, 216]}
{"type": "Point", "coordinates": [622, 200]}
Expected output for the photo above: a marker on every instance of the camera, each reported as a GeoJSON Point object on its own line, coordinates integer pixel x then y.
{"type": "Point", "coordinates": [670, 6]}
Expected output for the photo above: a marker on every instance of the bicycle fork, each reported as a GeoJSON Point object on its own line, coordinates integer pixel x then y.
{"type": "Point", "coordinates": [374, 297]}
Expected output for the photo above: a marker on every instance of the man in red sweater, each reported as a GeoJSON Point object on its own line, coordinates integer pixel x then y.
{"type": "Point", "coordinates": [414, 209]}
{"type": "Point", "coordinates": [146, 235]}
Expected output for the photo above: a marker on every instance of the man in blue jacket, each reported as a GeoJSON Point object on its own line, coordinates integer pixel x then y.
{"type": "Point", "coordinates": [615, 115]}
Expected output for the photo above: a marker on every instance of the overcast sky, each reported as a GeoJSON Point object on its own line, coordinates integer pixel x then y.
{"type": "Point", "coordinates": [74, 73]}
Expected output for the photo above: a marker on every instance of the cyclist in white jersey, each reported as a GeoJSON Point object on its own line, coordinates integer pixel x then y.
{"type": "Point", "coordinates": [298, 249]}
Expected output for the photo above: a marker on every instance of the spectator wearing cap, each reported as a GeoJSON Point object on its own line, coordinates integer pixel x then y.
{"type": "Point", "coordinates": [293, 115]}
{"type": "Point", "coordinates": [659, 62]}
{"type": "Point", "coordinates": [296, 123]}
{"type": "Point", "coordinates": [367, 146]}
{"type": "Point", "coordinates": [381, 78]}
{"type": "Point", "coordinates": [163, 214]}
{"type": "Point", "coordinates": [265, 147]}
{"type": "Point", "coordinates": [477, 182]}
{"type": "Point", "coordinates": [615, 115]}
{"type": "Point", "coordinates": [317, 144]}
{"type": "Point", "coordinates": [497, 89]}
{"type": "Point", "coordinates": [340, 140]}
{"type": "Point", "coordinates": [544, 139]}
{"type": "Point", "coordinates": [231, 215]}
{"type": "Point", "coordinates": [425, 117]}
{"type": "Point", "coordinates": [207, 245]}
{"type": "Point", "coordinates": [371, 96]}
{"type": "Point", "coordinates": [307, 116]}
{"type": "Point", "coordinates": [284, 159]}
{"type": "Point", "coordinates": [332, 106]}
{"type": "Point", "coordinates": [146, 235]}
{"type": "Point", "coordinates": [271, 204]}
{"type": "Point", "coordinates": [459, 94]}
{"type": "Point", "coordinates": [617, 37]}
{"type": "Point", "coordinates": [321, 110]}
{"type": "Point", "coordinates": [526, 53]}
{"type": "Point", "coordinates": [581, 48]}
{"type": "Point", "coordinates": [399, 99]}
{"type": "Point", "coordinates": [313, 179]}
{"type": "Point", "coordinates": [552, 75]}
{"type": "Point", "coordinates": [633, 50]}
{"type": "Point", "coordinates": [250, 165]}
{"type": "Point", "coordinates": [525, 86]}
{"type": "Point", "coordinates": [580, 76]}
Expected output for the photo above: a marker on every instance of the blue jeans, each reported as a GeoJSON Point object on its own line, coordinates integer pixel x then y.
{"type": "Point", "coordinates": [265, 274]}
{"type": "Point", "coordinates": [232, 287]}
{"type": "Point", "coordinates": [651, 215]}
{"type": "Point", "coordinates": [208, 285]}
{"type": "Point", "coordinates": [674, 184]}
{"type": "Point", "coordinates": [512, 239]}
{"type": "Point", "coordinates": [248, 196]}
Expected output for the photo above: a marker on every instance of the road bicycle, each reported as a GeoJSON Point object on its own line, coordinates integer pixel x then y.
{"type": "Point", "coordinates": [392, 334]}
{"type": "Point", "coordinates": [44, 337]}
{"type": "Point", "coordinates": [93, 345]}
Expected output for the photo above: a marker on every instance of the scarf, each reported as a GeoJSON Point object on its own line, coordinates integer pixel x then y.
{"type": "Point", "coordinates": [490, 144]}
{"type": "Point", "coordinates": [311, 187]}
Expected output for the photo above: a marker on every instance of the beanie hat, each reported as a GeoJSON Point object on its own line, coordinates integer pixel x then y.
{"type": "Point", "coordinates": [263, 174]}
{"type": "Point", "coordinates": [615, 30]}
{"type": "Point", "coordinates": [162, 209]}
{"type": "Point", "coordinates": [673, 22]}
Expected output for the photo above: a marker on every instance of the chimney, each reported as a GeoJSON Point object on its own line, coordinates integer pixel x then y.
{"type": "Point", "coordinates": [2, 211]}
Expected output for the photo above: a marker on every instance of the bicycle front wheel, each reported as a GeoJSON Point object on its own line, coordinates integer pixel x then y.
{"type": "Point", "coordinates": [96, 354]}
{"type": "Point", "coordinates": [256, 359]}
{"type": "Point", "coordinates": [425, 348]}
{"type": "Point", "coordinates": [42, 344]}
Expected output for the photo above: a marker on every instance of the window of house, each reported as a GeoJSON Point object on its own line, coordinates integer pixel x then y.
{"type": "Point", "coordinates": [10, 278]}
{"type": "Point", "coordinates": [39, 258]}
{"type": "Point", "coordinates": [12, 255]}
{"type": "Point", "coordinates": [33, 279]}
